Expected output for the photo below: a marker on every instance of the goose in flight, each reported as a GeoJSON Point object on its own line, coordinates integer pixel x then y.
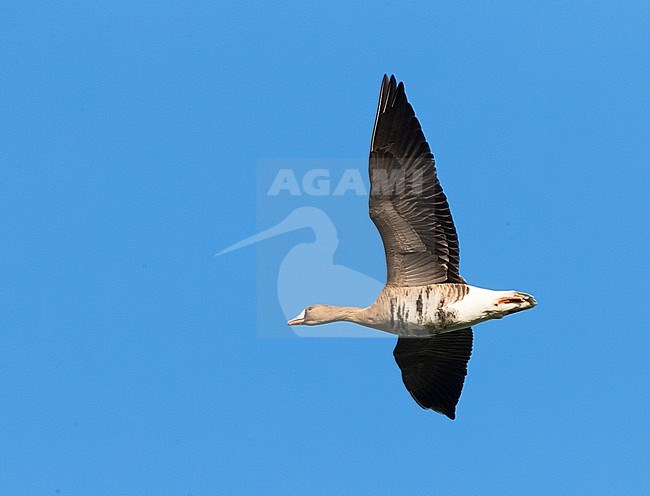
{"type": "Point", "coordinates": [425, 301]}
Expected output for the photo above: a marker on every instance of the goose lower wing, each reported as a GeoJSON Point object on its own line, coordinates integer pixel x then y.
{"type": "Point", "coordinates": [434, 368]}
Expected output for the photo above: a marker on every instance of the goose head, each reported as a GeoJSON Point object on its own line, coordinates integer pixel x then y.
{"type": "Point", "coordinates": [312, 315]}
{"type": "Point", "coordinates": [324, 314]}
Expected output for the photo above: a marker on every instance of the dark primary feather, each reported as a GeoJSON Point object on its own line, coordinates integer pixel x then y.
{"type": "Point", "coordinates": [434, 369]}
{"type": "Point", "coordinates": [407, 203]}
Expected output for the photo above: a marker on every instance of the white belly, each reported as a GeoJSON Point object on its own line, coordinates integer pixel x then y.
{"type": "Point", "coordinates": [439, 308]}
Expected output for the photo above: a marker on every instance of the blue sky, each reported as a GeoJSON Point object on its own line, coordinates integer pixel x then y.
{"type": "Point", "coordinates": [132, 360]}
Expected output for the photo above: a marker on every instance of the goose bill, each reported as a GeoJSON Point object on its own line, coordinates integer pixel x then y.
{"type": "Point", "coordinates": [298, 320]}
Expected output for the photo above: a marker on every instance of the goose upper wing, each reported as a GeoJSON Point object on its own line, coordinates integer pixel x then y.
{"type": "Point", "coordinates": [407, 203]}
{"type": "Point", "coordinates": [434, 368]}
